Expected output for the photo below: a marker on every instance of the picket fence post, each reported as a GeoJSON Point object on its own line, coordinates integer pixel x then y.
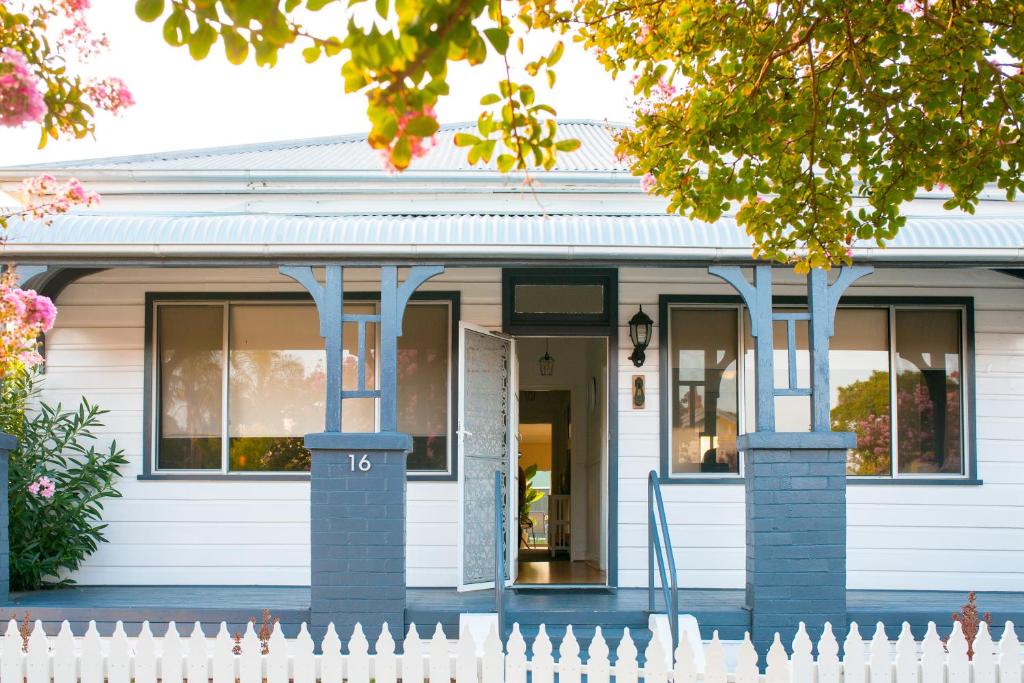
{"type": "Point", "coordinates": [358, 657]}
{"type": "Point", "coordinates": [64, 660]}
{"type": "Point", "coordinates": [906, 657]}
{"type": "Point", "coordinates": [492, 669]}
{"type": "Point", "coordinates": [119, 660]}
{"type": "Point", "coordinates": [598, 668]}
{"type": "Point", "coordinates": [715, 670]}
{"type": "Point", "coordinates": [958, 669]}
{"type": "Point", "coordinates": [655, 670]}
{"type": "Point", "coordinates": [223, 657]}
{"type": "Point", "coordinates": [515, 657]}
{"type": "Point", "coordinates": [385, 663]}
{"type": "Point", "coordinates": [1009, 655]}
{"type": "Point", "coordinates": [543, 663]}
{"type": "Point", "coordinates": [304, 664]}
{"type": "Point", "coordinates": [828, 656]}
{"type": "Point", "coordinates": [802, 664]}
{"type": "Point", "coordinates": [685, 670]}
{"type": "Point", "coordinates": [746, 662]}
{"type": "Point", "coordinates": [570, 669]}
{"type": "Point", "coordinates": [984, 656]}
{"type": "Point", "coordinates": [854, 670]}
{"type": "Point", "coordinates": [465, 659]}
{"type": "Point", "coordinates": [440, 667]}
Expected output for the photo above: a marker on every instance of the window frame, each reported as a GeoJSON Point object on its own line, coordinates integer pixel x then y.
{"type": "Point", "coordinates": [151, 380]}
{"type": "Point", "coordinates": [968, 412]}
{"type": "Point", "coordinates": [554, 324]}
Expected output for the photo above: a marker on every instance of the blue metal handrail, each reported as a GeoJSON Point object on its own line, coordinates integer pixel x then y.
{"type": "Point", "coordinates": [659, 547]}
{"type": "Point", "coordinates": [499, 555]}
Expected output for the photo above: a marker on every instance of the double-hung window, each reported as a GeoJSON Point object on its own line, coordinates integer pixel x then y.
{"type": "Point", "coordinates": [897, 382]}
{"type": "Point", "coordinates": [239, 381]}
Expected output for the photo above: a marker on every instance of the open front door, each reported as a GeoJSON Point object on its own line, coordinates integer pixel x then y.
{"type": "Point", "coordinates": [487, 444]}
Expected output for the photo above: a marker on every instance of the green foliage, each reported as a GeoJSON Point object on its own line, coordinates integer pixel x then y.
{"type": "Point", "coordinates": [530, 494]}
{"type": "Point", "coordinates": [814, 121]}
{"type": "Point", "coordinates": [51, 537]}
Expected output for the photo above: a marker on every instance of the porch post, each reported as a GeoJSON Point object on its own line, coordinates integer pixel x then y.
{"type": "Point", "coordinates": [357, 480]}
{"type": "Point", "coordinates": [795, 482]}
{"type": "Point", "coordinates": [7, 444]}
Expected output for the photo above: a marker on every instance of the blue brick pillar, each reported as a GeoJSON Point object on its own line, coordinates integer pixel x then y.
{"type": "Point", "coordinates": [357, 532]}
{"type": "Point", "coordinates": [796, 533]}
{"type": "Point", "coordinates": [7, 444]}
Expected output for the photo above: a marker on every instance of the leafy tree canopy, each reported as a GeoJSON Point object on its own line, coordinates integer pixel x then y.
{"type": "Point", "coordinates": [814, 120]}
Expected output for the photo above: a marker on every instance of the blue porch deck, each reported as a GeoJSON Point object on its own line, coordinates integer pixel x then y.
{"type": "Point", "coordinates": [715, 609]}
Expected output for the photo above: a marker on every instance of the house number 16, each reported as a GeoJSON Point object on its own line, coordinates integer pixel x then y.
{"type": "Point", "coordinates": [363, 464]}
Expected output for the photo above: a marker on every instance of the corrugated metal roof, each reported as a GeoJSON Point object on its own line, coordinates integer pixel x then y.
{"type": "Point", "coordinates": [352, 153]}
{"type": "Point", "coordinates": [960, 238]}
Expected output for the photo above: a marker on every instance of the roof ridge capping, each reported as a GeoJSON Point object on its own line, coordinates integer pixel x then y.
{"type": "Point", "coordinates": [265, 146]}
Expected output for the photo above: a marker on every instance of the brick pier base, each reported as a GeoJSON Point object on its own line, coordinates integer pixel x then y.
{"type": "Point", "coordinates": [357, 533]}
{"type": "Point", "coordinates": [796, 533]}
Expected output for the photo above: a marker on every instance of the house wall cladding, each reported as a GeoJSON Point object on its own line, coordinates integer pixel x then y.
{"type": "Point", "coordinates": [239, 532]}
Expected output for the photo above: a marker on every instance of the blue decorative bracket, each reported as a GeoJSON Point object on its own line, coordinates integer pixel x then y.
{"type": "Point", "coordinates": [329, 298]}
{"type": "Point", "coordinates": [822, 300]}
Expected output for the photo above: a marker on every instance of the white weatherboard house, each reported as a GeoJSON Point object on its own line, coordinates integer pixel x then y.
{"type": "Point", "coordinates": [196, 302]}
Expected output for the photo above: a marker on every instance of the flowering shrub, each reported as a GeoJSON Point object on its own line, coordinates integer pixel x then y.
{"type": "Point", "coordinates": [24, 315]}
{"type": "Point", "coordinates": [58, 482]}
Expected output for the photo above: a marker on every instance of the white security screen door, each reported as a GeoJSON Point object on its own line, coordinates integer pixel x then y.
{"type": "Point", "coordinates": [487, 444]}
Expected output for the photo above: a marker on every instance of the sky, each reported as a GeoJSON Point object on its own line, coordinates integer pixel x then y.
{"type": "Point", "coordinates": [183, 104]}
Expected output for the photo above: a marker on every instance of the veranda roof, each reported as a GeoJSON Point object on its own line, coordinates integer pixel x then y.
{"type": "Point", "coordinates": [952, 240]}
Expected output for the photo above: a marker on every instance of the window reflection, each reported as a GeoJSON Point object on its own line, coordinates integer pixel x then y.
{"type": "Point", "coordinates": [860, 401]}
{"type": "Point", "coordinates": [928, 391]}
{"type": "Point", "coordinates": [704, 387]}
{"type": "Point", "coordinates": [191, 359]}
{"type": "Point", "coordinates": [423, 384]}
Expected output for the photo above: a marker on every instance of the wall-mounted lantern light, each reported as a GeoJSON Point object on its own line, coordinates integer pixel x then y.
{"type": "Point", "coordinates": [547, 363]}
{"type": "Point", "coordinates": [640, 326]}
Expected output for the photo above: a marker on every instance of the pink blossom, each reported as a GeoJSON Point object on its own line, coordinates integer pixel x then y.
{"type": "Point", "coordinates": [645, 33]}
{"type": "Point", "coordinates": [33, 488]}
{"type": "Point", "coordinates": [30, 359]}
{"type": "Point", "coordinates": [647, 182]}
{"type": "Point", "coordinates": [110, 94]}
{"type": "Point", "coordinates": [914, 8]}
{"type": "Point", "coordinates": [20, 99]}
{"type": "Point", "coordinates": [665, 89]}
{"type": "Point", "coordinates": [418, 146]}
{"type": "Point", "coordinates": [46, 197]}
{"type": "Point", "coordinates": [46, 487]}
{"type": "Point", "coordinates": [24, 315]}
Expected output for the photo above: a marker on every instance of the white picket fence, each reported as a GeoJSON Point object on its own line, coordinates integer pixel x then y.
{"type": "Point", "coordinates": [199, 659]}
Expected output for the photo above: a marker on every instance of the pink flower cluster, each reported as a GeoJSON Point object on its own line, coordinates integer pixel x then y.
{"type": "Point", "coordinates": [76, 35]}
{"type": "Point", "coordinates": [46, 197]}
{"type": "Point", "coordinates": [419, 146]}
{"type": "Point", "coordinates": [24, 315]}
{"type": "Point", "coordinates": [647, 182]}
{"type": "Point", "coordinates": [914, 8]}
{"type": "Point", "coordinates": [110, 94]}
{"type": "Point", "coordinates": [20, 99]}
{"type": "Point", "coordinates": [43, 486]}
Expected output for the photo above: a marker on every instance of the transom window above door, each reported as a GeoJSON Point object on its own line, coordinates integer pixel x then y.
{"type": "Point", "coordinates": [542, 301]}
{"type": "Point", "coordinates": [899, 380]}
{"type": "Point", "coordinates": [238, 381]}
